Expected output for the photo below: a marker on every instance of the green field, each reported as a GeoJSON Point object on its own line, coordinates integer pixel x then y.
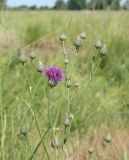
{"type": "Point", "coordinates": [99, 106]}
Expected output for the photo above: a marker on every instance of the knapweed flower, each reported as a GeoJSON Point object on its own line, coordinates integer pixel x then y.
{"type": "Point", "coordinates": [54, 75]}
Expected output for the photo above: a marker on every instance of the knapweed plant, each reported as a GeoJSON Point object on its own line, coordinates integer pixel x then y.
{"type": "Point", "coordinates": [50, 76]}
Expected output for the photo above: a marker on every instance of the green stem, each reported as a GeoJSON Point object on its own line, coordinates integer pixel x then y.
{"type": "Point", "coordinates": [49, 115]}
{"type": "Point", "coordinates": [34, 114]}
{"type": "Point", "coordinates": [29, 146]}
{"type": "Point", "coordinates": [64, 49]}
{"type": "Point", "coordinates": [38, 145]}
{"type": "Point", "coordinates": [68, 102]}
{"type": "Point", "coordinates": [2, 128]}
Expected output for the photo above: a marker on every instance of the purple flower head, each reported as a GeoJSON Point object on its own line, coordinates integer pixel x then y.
{"type": "Point", "coordinates": [54, 75]}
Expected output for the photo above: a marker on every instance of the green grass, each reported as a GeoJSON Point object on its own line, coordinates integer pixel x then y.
{"type": "Point", "coordinates": [105, 102]}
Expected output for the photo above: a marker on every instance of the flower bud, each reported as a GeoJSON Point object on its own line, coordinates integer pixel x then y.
{"type": "Point", "coordinates": [66, 61]}
{"type": "Point", "coordinates": [24, 130]}
{"type": "Point", "coordinates": [98, 44]}
{"type": "Point", "coordinates": [108, 138]}
{"type": "Point", "coordinates": [32, 56]}
{"type": "Point", "coordinates": [22, 58]}
{"type": "Point", "coordinates": [55, 143]}
{"type": "Point", "coordinates": [77, 84]}
{"type": "Point", "coordinates": [40, 67]}
{"type": "Point", "coordinates": [62, 37]}
{"type": "Point", "coordinates": [51, 83]}
{"type": "Point", "coordinates": [68, 83]}
{"type": "Point", "coordinates": [90, 150]}
{"type": "Point", "coordinates": [67, 121]}
{"type": "Point", "coordinates": [77, 42]}
{"type": "Point", "coordinates": [103, 50]}
{"type": "Point", "coordinates": [83, 35]}
{"type": "Point", "coordinates": [71, 116]}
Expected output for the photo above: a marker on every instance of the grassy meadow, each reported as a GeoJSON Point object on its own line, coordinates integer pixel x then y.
{"type": "Point", "coordinates": [99, 107]}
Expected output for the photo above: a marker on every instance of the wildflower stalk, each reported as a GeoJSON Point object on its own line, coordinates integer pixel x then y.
{"type": "Point", "coordinates": [64, 49]}
{"type": "Point", "coordinates": [38, 145]}
{"type": "Point", "coordinates": [29, 146]}
{"type": "Point", "coordinates": [48, 108]}
{"type": "Point", "coordinates": [67, 153]}
{"type": "Point", "coordinates": [65, 58]}
{"type": "Point", "coordinates": [57, 154]}
{"type": "Point", "coordinates": [94, 67]}
{"type": "Point", "coordinates": [34, 114]}
{"type": "Point", "coordinates": [75, 59]}
{"type": "Point", "coordinates": [66, 76]}
{"type": "Point", "coordinates": [2, 121]}
{"type": "Point", "coordinates": [68, 101]}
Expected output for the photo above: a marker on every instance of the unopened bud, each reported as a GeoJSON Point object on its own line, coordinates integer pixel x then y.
{"type": "Point", "coordinates": [62, 37]}
{"type": "Point", "coordinates": [40, 67]}
{"type": "Point", "coordinates": [51, 83]}
{"type": "Point", "coordinates": [83, 35]}
{"type": "Point", "coordinates": [66, 61]}
{"type": "Point", "coordinates": [103, 51]}
{"type": "Point", "coordinates": [77, 84]}
{"type": "Point", "coordinates": [68, 83]}
{"type": "Point", "coordinates": [77, 42]}
{"type": "Point", "coordinates": [22, 58]}
{"type": "Point", "coordinates": [108, 138]}
{"type": "Point", "coordinates": [71, 116]}
{"type": "Point", "coordinates": [98, 44]}
{"type": "Point", "coordinates": [90, 150]}
{"type": "Point", "coordinates": [32, 56]}
{"type": "Point", "coordinates": [24, 130]}
{"type": "Point", "coordinates": [55, 143]}
{"type": "Point", "coordinates": [67, 121]}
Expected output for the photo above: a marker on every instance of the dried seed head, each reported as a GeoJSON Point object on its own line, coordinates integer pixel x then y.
{"type": "Point", "coordinates": [108, 138]}
{"type": "Point", "coordinates": [67, 121]}
{"type": "Point", "coordinates": [83, 35]}
{"type": "Point", "coordinates": [40, 67]}
{"type": "Point", "coordinates": [55, 143]}
{"type": "Point", "coordinates": [98, 43]}
{"type": "Point", "coordinates": [103, 51]}
{"type": "Point", "coordinates": [62, 37]}
{"type": "Point", "coordinates": [24, 130]}
{"type": "Point", "coordinates": [90, 150]}
{"type": "Point", "coordinates": [66, 61]}
{"type": "Point", "coordinates": [77, 42]}
{"type": "Point", "coordinates": [32, 55]}
{"type": "Point", "coordinates": [68, 83]}
{"type": "Point", "coordinates": [22, 58]}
